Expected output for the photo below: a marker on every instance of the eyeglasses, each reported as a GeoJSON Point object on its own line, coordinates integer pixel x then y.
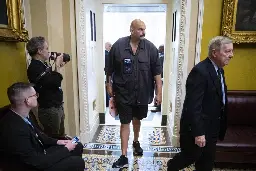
{"type": "Point", "coordinates": [35, 95]}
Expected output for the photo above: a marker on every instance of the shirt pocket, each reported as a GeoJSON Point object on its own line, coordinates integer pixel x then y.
{"type": "Point", "coordinates": [143, 63]}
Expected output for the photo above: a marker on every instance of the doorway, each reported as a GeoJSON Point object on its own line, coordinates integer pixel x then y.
{"type": "Point", "coordinates": [116, 23]}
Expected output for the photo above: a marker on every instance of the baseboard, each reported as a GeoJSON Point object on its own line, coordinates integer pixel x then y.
{"type": "Point", "coordinates": [94, 128]}
{"type": "Point", "coordinates": [102, 118]}
{"type": "Point", "coordinates": [87, 136]}
{"type": "Point", "coordinates": [164, 120]}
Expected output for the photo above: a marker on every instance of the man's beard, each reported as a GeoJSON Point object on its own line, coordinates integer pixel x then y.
{"type": "Point", "coordinates": [142, 36]}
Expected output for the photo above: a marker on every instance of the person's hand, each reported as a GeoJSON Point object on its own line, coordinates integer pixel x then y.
{"type": "Point", "coordinates": [158, 99]}
{"type": "Point", "coordinates": [200, 141]}
{"type": "Point", "coordinates": [110, 90]}
{"type": "Point", "coordinates": [70, 146]}
{"type": "Point", "coordinates": [59, 61]}
{"type": "Point", "coordinates": [63, 142]}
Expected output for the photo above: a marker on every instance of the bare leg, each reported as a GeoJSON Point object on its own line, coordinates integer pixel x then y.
{"type": "Point", "coordinates": [124, 132]}
{"type": "Point", "coordinates": [136, 128]}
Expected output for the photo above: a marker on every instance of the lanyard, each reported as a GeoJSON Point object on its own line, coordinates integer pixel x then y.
{"type": "Point", "coordinates": [30, 124]}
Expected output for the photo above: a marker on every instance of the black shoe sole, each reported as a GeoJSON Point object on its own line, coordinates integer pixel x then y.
{"type": "Point", "coordinates": [124, 166]}
{"type": "Point", "coordinates": [138, 154]}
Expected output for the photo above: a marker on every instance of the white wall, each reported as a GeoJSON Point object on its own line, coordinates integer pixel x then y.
{"type": "Point", "coordinates": [117, 25]}
{"type": "Point", "coordinates": [87, 71]}
{"type": "Point", "coordinates": [183, 54]}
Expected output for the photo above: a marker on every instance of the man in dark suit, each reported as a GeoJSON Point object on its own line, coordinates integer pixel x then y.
{"type": "Point", "coordinates": [24, 147]}
{"type": "Point", "coordinates": [203, 118]}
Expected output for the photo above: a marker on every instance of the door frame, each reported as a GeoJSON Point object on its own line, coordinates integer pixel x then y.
{"type": "Point", "coordinates": [165, 99]}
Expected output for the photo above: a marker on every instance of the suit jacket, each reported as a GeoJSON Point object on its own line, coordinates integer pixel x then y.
{"type": "Point", "coordinates": [203, 110]}
{"type": "Point", "coordinates": [20, 144]}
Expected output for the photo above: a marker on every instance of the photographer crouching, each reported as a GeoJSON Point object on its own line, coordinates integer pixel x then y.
{"type": "Point", "coordinates": [47, 80]}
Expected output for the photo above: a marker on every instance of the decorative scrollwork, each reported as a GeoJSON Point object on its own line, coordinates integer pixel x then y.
{"type": "Point", "coordinates": [182, 40]}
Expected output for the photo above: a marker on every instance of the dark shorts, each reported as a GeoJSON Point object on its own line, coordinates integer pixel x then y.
{"type": "Point", "coordinates": [128, 112]}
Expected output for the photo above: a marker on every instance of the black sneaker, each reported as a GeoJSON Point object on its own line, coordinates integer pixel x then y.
{"type": "Point", "coordinates": [137, 150]}
{"type": "Point", "coordinates": [122, 162]}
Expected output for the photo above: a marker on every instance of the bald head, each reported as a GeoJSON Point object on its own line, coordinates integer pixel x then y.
{"type": "Point", "coordinates": [137, 29]}
{"type": "Point", "coordinates": [137, 24]}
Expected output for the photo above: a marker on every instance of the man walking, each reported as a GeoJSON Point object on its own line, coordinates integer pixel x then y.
{"type": "Point", "coordinates": [134, 68]}
{"type": "Point", "coordinates": [203, 118]}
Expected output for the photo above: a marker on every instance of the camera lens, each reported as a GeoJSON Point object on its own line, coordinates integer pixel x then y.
{"type": "Point", "coordinates": [66, 57]}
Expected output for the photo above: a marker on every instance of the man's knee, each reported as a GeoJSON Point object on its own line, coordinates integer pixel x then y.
{"type": "Point", "coordinates": [125, 126]}
{"type": "Point", "coordinates": [136, 121]}
{"type": "Point", "coordinates": [182, 160]}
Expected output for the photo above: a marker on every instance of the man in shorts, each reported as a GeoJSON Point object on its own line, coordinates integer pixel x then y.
{"type": "Point", "coordinates": [133, 71]}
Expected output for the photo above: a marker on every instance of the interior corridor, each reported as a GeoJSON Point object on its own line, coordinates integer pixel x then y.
{"type": "Point", "coordinates": [76, 27]}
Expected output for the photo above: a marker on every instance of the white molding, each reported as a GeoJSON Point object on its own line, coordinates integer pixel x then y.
{"type": "Point", "coordinates": [181, 49]}
{"type": "Point", "coordinates": [167, 70]}
{"type": "Point", "coordinates": [184, 8]}
{"type": "Point", "coordinates": [199, 31]}
{"type": "Point", "coordinates": [82, 69]}
{"type": "Point", "coordinates": [87, 136]}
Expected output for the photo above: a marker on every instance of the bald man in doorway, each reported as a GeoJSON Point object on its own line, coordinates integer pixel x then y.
{"type": "Point", "coordinates": [133, 69]}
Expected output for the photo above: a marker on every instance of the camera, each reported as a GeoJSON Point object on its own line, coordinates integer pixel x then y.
{"type": "Point", "coordinates": [66, 57]}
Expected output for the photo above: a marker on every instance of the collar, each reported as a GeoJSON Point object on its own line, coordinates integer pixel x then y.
{"type": "Point", "coordinates": [24, 118]}
{"type": "Point", "coordinates": [215, 66]}
{"type": "Point", "coordinates": [140, 46]}
{"type": "Point", "coordinates": [44, 63]}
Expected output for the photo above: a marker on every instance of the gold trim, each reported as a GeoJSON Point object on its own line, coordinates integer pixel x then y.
{"type": "Point", "coordinates": [3, 26]}
{"type": "Point", "coordinates": [15, 30]}
{"type": "Point", "coordinates": [229, 21]}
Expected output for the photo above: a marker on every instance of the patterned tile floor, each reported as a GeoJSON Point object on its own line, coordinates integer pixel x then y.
{"type": "Point", "coordinates": [104, 162]}
{"type": "Point", "coordinates": [104, 149]}
{"type": "Point", "coordinates": [94, 162]}
{"type": "Point", "coordinates": [149, 135]}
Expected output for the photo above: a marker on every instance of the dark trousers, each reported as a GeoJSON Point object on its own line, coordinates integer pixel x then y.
{"type": "Point", "coordinates": [71, 163]}
{"type": "Point", "coordinates": [52, 120]}
{"type": "Point", "coordinates": [74, 162]}
{"type": "Point", "coordinates": [192, 153]}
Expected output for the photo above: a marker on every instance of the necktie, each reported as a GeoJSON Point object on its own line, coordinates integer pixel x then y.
{"type": "Point", "coordinates": [220, 84]}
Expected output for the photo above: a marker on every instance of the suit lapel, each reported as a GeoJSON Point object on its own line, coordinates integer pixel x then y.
{"type": "Point", "coordinates": [214, 76]}
{"type": "Point", "coordinates": [27, 126]}
{"type": "Point", "coordinates": [35, 135]}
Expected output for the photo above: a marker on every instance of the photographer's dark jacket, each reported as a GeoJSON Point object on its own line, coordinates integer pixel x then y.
{"type": "Point", "coordinates": [48, 86]}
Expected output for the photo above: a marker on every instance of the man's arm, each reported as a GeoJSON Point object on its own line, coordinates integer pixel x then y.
{"type": "Point", "coordinates": [109, 68]}
{"type": "Point", "coordinates": [158, 82]}
{"type": "Point", "coordinates": [196, 86]}
{"type": "Point", "coordinates": [157, 69]}
{"type": "Point", "coordinates": [29, 155]}
{"type": "Point", "coordinates": [46, 139]}
{"type": "Point", "coordinates": [48, 79]}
